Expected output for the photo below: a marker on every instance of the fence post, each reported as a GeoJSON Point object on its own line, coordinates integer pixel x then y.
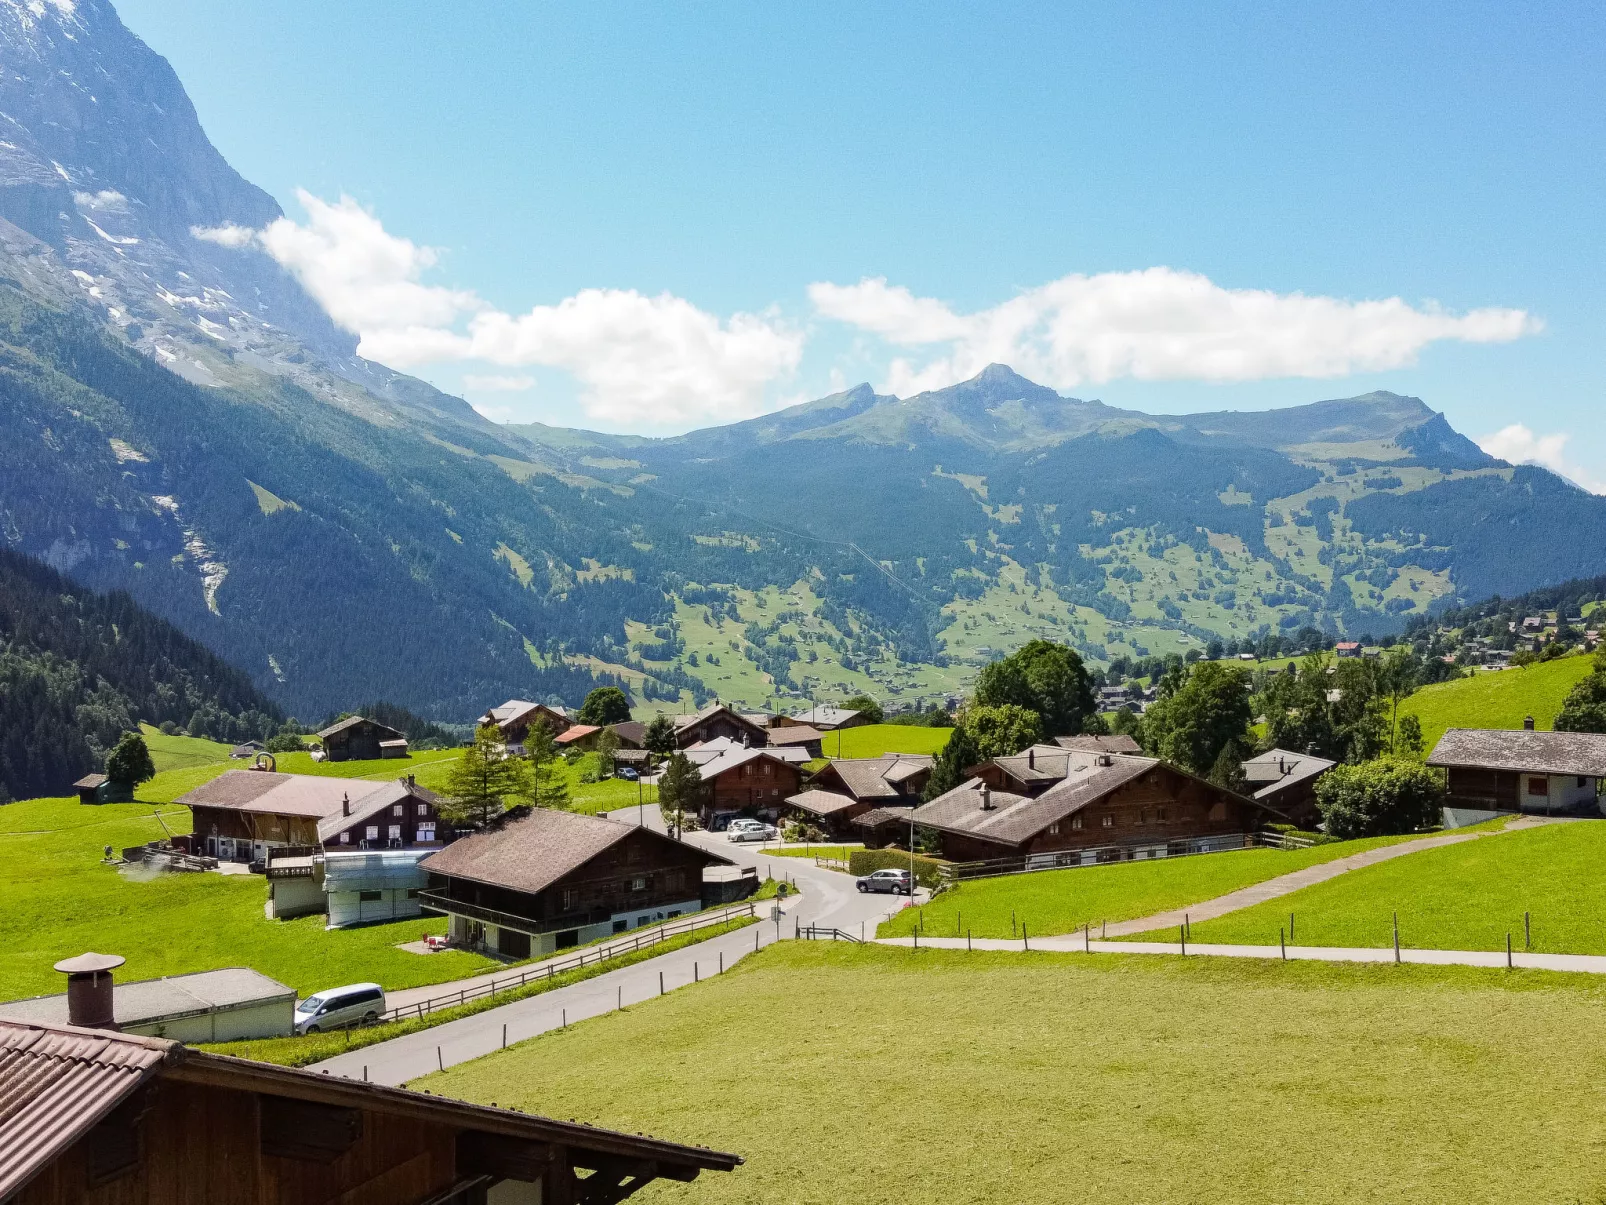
{"type": "Point", "coordinates": [660, 983]}
{"type": "Point", "coordinates": [1023, 942]}
{"type": "Point", "coordinates": [1012, 922]}
{"type": "Point", "coordinates": [621, 1001]}
{"type": "Point", "coordinates": [565, 1018]}
{"type": "Point", "coordinates": [721, 962]}
{"type": "Point", "coordinates": [1508, 951]}
{"type": "Point", "coordinates": [1187, 924]}
{"type": "Point", "coordinates": [1396, 937]}
{"type": "Point", "coordinates": [756, 929]}
{"type": "Point", "coordinates": [1290, 926]}
{"type": "Point", "coordinates": [1527, 933]}
{"type": "Point", "coordinates": [696, 975]}
{"type": "Point", "coordinates": [1104, 930]}
{"type": "Point", "coordinates": [504, 1035]}
{"type": "Point", "coordinates": [968, 946]}
{"type": "Point", "coordinates": [1182, 936]}
{"type": "Point", "coordinates": [1087, 938]}
{"type": "Point", "coordinates": [439, 1062]}
{"type": "Point", "coordinates": [1282, 942]}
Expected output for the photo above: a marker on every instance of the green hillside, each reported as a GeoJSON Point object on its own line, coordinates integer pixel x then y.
{"type": "Point", "coordinates": [1497, 699]}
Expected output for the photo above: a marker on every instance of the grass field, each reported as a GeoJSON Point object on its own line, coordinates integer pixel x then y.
{"type": "Point", "coordinates": [1459, 897]}
{"type": "Point", "coordinates": [182, 752]}
{"type": "Point", "coordinates": [873, 740]}
{"type": "Point", "coordinates": [1048, 1078]}
{"type": "Point", "coordinates": [839, 852]}
{"type": "Point", "coordinates": [58, 899]}
{"type": "Point", "coordinates": [1498, 699]}
{"type": "Point", "coordinates": [1062, 901]}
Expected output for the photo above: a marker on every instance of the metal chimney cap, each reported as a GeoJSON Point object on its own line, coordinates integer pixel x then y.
{"type": "Point", "coordinates": [90, 962]}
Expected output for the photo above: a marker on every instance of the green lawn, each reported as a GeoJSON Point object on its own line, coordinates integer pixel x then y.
{"type": "Point", "coordinates": [1062, 901]}
{"type": "Point", "coordinates": [1497, 700]}
{"type": "Point", "coordinates": [1049, 1078]}
{"type": "Point", "coordinates": [1459, 897]}
{"type": "Point", "coordinates": [170, 782]}
{"type": "Point", "coordinates": [182, 752]}
{"type": "Point", "coordinates": [57, 899]}
{"type": "Point", "coordinates": [840, 852]}
{"type": "Point", "coordinates": [872, 740]}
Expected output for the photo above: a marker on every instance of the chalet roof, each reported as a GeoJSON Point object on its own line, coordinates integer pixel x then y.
{"type": "Point", "coordinates": [357, 721]}
{"type": "Point", "coordinates": [709, 712]}
{"type": "Point", "coordinates": [730, 759]}
{"type": "Point", "coordinates": [795, 734]}
{"type": "Point", "coordinates": [883, 815]}
{"type": "Point", "coordinates": [312, 796]}
{"type": "Point", "coordinates": [532, 853]}
{"type": "Point", "coordinates": [1040, 764]}
{"type": "Point", "coordinates": [577, 732]}
{"type": "Point", "coordinates": [822, 803]}
{"type": "Point", "coordinates": [89, 782]}
{"type": "Point", "coordinates": [517, 709]}
{"type": "Point", "coordinates": [147, 1001]}
{"type": "Point", "coordinates": [1112, 743]}
{"type": "Point", "coordinates": [705, 751]}
{"type": "Point", "coordinates": [1014, 819]}
{"type": "Point", "coordinates": [1275, 770]}
{"type": "Point", "coordinates": [632, 732]}
{"type": "Point", "coordinates": [877, 777]}
{"type": "Point", "coordinates": [60, 1081]}
{"type": "Point", "coordinates": [1582, 753]}
{"type": "Point", "coordinates": [824, 717]}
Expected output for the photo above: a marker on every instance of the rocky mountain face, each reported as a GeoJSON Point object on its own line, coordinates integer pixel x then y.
{"type": "Point", "coordinates": [180, 420]}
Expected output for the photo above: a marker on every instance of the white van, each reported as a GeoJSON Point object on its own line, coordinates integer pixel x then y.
{"type": "Point", "coordinates": [357, 1004]}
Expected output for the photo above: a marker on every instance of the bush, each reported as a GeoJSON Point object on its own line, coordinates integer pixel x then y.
{"type": "Point", "coordinates": [1379, 798]}
{"type": "Point", "coordinates": [928, 871]}
{"type": "Point", "coordinates": [590, 767]}
{"type": "Point", "coordinates": [285, 742]}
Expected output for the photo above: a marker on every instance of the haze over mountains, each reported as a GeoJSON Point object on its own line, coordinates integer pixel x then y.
{"type": "Point", "coordinates": [179, 419]}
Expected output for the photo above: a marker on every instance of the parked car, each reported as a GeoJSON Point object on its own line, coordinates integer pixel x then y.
{"type": "Point", "coordinates": [355, 1004]}
{"type": "Point", "coordinates": [751, 830]}
{"type": "Point", "coordinates": [888, 882]}
{"type": "Point", "coordinates": [628, 773]}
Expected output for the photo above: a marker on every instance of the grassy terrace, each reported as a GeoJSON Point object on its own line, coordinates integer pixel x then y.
{"type": "Point", "coordinates": [1497, 700]}
{"type": "Point", "coordinates": [58, 899]}
{"type": "Point", "coordinates": [1047, 1078]}
{"type": "Point", "coordinates": [1459, 897]}
{"type": "Point", "coordinates": [872, 740]}
{"type": "Point", "coordinates": [1062, 901]}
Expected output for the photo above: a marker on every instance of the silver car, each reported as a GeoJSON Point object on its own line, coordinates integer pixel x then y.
{"type": "Point", "coordinates": [339, 1007]}
{"type": "Point", "coordinates": [888, 882]}
{"type": "Point", "coordinates": [751, 830]}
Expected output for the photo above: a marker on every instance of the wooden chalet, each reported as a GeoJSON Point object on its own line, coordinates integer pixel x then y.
{"type": "Point", "coordinates": [716, 722]}
{"type": "Point", "coordinates": [243, 815]}
{"type": "Point", "coordinates": [823, 719]}
{"type": "Point", "coordinates": [89, 1115]}
{"type": "Point", "coordinates": [883, 826]}
{"type": "Point", "coordinates": [632, 734]}
{"type": "Point", "coordinates": [1287, 781]}
{"type": "Point", "coordinates": [1489, 771]}
{"type": "Point", "coordinates": [849, 787]}
{"type": "Point", "coordinates": [357, 739]}
{"type": "Point", "coordinates": [97, 788]}
{"type": "Point", "coordinates": [745, 781]}
{"type": "Point", "coordinates": [1113, 806]}
{"type": "Point", "coordinates": [513, 719]}
{"type": "Point", "coordinates": [798, 736]}
{"type": "Point", "coordinates": [548, 880]}
{"type": "Point", "coordinates": [579, 736]}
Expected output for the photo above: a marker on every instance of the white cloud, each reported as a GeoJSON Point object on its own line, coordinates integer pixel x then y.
{"type": "Point", "coordinates": [1518, 444]}
{"type": "Point", "coordinates": [654, 361]}
{"type": "Point", "coordinates": [1153, 325]}
{"type": "Point", "coordinates": [497, 383]}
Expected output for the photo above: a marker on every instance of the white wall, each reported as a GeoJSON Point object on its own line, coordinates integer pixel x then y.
{"type": "Point", "coordinates": [269, 1019]}
{"type": "Point", "coordinates": [348, 908]}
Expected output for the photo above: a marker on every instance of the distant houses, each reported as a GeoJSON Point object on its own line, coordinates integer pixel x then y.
{"type": "Point", "coordinates": [244, 815]}
{"type": "Point", "coordinates": [737, 779]}
{"type": "Point", "coordinates": [550, 880]}
{"type": "Point", "coordinates": [847, 788]}
{"type": "Point", "coordinates": [719, 722]}
{"type": "Point", "coordinates": [823, 719]}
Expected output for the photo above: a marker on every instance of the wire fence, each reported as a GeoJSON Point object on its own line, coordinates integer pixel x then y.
{"type": "Point", "coordinates": [642, 939]}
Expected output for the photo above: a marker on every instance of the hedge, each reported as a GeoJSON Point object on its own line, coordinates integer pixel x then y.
{"type": "Point", "coordinates": [928, 871]}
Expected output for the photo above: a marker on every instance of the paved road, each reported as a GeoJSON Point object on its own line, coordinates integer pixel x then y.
{"type": "Point", "coordinates": [829, 898]}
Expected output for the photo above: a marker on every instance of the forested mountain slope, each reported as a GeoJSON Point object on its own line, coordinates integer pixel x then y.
{"type": "Point", "coordinates": [179, 420]}
{"type": "Point", "coordinates": [79, 668]}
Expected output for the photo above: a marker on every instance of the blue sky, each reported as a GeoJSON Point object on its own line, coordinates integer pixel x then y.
{"type": "Point", "coordinates": [657, 187]}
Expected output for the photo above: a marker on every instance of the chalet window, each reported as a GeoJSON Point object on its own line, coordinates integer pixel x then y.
{"type": "Point", "coordinates": [1582, 781]}
{"type": "Point", "coordinates": [1160, 816]}
{"type": "Point", "coordinates": [1054, 828]}
{"type": "Point", "coordinates": [412, 893]}
{"type": "Point", "coordinates": [397, 810]}
{"type": "Point", "coordinates": [571, 897]}
{"type": "Point", "coordinates": [1107, 821]}
{"type": "Point", "coordinates": [638, 883]}
{"type": "Point", "coordinates": [426, 832]}
{"type": "Point", "coordinates": [423, 809]}
{"type": "Point", "coordinates": [369, 897]}
{"type": "Point", "coordinates": [395, 832]}
{"type": "Point", "coordinates": [1142, 816]}
{"type": "Point", "coordinates": [1076, 822]}
{"type": "Point", "coordinates": [619, 926]}
{"type": "Point", "coordinates": [1538, 786]}
{"type": "Point", "coordinates": [373, 832]}
{"type": "Point", "coordinates": [345, 838]}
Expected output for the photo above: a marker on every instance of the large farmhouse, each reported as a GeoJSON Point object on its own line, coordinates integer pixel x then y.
{"type": "Point", "coordinates": [513, 719]}
{"type": "Point", "coordinates": [550, 880]}
{"type": "Point", "coordinates": [1287, 782]}
{"type": "Point", "coordinates": [847, 788]}
{"type": "Point", "coordinates": [242, 815]}
{"type": "Point", "coordinates": [1100, 807]}
{"type": "Point", "coordinates": [357, 739]}
{"type": "Point", "coordinates": [718, 722]}
{"type": "Point", "coordinates": [1488, 771]}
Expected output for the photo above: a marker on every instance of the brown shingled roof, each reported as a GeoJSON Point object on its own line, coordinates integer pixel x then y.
{"type": "Point", "coordinates": [822, 803]}
{"type": "Point", "coordinates": [532, 853]}
{"type": "Point", "coordinates": [1579, 753]}
{"type": "Point", "coordinates": [1013, 819]}
{"type": "Point", "coordinates": [1113, 743]}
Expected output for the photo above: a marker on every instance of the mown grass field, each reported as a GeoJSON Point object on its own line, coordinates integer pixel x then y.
{"type": "Point", "coordinates": [182, 752]}
{"type": "Point", "coordinates": [58, 899]}
{"type": "Point", "coordinates": [1498, 699]}
{"type": "Point", "coordinates": [1062, 901]}
{"type": "Point", "coordinates": [1458, 897]}
{"type": "Point", "coordinates": [1050, 1078]}
{"type": "Point", "coordinates": [873, 740]}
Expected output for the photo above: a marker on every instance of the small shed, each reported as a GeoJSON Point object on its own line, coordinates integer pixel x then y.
{"type": "Point", "coordinates": [358, 739]}
{"type": "Point", "coordinates": [1489, 771]}
{"type": "Point", "coordinates": [884, 826]}
{"type": "Point", "coordinates": [88, 787]}
{"type": "Point", "coordinates": [229, 1005]}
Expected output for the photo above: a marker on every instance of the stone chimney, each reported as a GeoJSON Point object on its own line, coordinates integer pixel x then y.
{"type": "Point", "coordinates": [1527, 723]}
{"type": "Point", "coordinates": [345, 805]}
{"type": "Point", "coordinates": [89, 989]}
{"type": "Point", "coordinates": [1031, 759]}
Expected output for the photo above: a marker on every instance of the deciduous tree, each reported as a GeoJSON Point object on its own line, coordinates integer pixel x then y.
{"type": "Point", "coordinates": [1003, 730]}
{"type": "Point", "coordinates": [678, 790]}
{"type": "Point", "coordinates": [1379, 798]}
{"type": "Point", "coordinates": [605, 705]}
{"type": "Point", "coordinates": [1044, 677]}
{"type": "Point", "coordinates": [129, 763]}
{"type": "Point", "coordinates": [1201, 719]}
